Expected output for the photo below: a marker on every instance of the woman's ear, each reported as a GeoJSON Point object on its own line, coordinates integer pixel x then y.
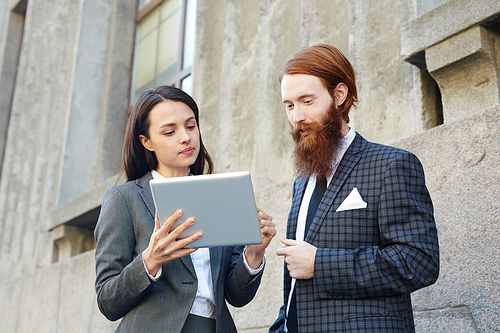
{"type": "Point", "coordinates": [145, 142]}
{"type": "Point", "coordinates": [340, 93]}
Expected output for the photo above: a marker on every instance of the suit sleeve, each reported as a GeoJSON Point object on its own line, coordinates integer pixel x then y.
{"type": "Point", "coordinates": [121, 280]}
{"type": "Point", "coordinates": [241, 286]}
{"type": "Point", "coordinates": [407, 257]}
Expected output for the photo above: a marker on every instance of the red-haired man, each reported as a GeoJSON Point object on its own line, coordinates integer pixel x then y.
{"type": "Point", "coordinates": [361, 235]}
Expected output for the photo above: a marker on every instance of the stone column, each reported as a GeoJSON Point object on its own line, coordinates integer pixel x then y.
{"type": "Point", "coordinates": [466, 68]}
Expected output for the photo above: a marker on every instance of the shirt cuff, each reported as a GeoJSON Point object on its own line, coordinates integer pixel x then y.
{"type": "Point", "coordinates": [151, 277]}
{"type": "Point", "coordinates": [250, 269]}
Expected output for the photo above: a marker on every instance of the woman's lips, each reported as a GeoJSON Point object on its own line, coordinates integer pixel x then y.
{"type": "Point", "coordinates": [187, 151]}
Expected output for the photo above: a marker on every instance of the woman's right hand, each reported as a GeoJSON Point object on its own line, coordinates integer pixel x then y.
{"type": "Point", "coordinates": [164, 246]}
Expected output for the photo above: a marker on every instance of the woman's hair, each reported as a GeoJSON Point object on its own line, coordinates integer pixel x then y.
{"type": "Point", "coordinates": [329, 65]}
{"type": "Point", "coordinates": [137, 160]}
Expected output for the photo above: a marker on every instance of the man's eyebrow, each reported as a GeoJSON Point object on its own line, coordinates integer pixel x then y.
{"type": "Point", "coordinates": [301, 97]}
{"type": "Point", "coordinates": [306, 96]}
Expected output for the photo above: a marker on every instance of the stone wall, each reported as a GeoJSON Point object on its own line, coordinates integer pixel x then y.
{"type": "Point", "coordinates": [427, 74]}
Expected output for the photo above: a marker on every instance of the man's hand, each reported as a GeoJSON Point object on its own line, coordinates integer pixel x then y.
{"type": "Point", "coordinates": [299, 257]}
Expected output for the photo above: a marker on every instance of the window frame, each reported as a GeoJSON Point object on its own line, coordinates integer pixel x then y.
{"type": "Point", "coordinates": [181, 73]}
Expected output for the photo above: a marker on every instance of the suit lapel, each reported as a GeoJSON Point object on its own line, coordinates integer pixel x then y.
{"type": "Point", "coordinates": [147, 198]}
{"type": "Point", "coordinates": [347, 164]}
{"type": "Point", "coordinates": [298, 193]}
{"type": "Point", "coordinates": [145, 193]}
{"type": "Point", "coordinates": [215, 264]}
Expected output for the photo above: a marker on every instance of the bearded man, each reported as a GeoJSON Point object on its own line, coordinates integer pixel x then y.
{"type": "Point", "coordinates": [361, 234]}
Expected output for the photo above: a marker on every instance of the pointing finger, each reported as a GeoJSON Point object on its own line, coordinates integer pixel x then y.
{"type": "Point", "coordinates": [289, 242]}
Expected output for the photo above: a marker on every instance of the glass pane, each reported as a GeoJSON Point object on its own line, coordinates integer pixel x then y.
{"type": "Point", "coordinates": [145, 62]}
{"type": "Point", "coordinates": [168, 42]}
{"type": "Point", "coordinates": [149, 23]}
{"type": "Point", "coordinates": [168, 8]}
{"type": "Point", "coordinates": [189, 35]}
{"type": "Point", "coordinates": [187, 84]}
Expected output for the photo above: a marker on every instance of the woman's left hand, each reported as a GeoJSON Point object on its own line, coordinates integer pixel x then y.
{"type": "Point", "coordinates": [255, 253]}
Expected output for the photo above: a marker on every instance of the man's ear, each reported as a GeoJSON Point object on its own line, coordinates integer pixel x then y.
{"type": "Point", "coordinates": [340, 93]}
{"type": "Point", "coordinates": [145, 142]}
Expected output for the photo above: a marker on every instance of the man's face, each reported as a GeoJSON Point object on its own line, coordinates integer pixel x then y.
{"type": "Point", "coordinates": [317, 125]}
{"type": "Point", "coordinates": [306, 101]}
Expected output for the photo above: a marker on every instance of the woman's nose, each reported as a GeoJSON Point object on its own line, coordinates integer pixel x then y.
{"type": "Point", "coordinates": [185, 137]}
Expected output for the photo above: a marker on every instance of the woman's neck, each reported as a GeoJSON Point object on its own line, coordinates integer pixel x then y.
{"type": "Point", "coordinates": [168, 173]}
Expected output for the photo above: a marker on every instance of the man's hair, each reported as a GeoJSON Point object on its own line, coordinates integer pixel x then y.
{"type": "Point", "coordinates": [329, 65]}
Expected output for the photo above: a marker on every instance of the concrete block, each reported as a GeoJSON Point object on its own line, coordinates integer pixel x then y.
{"type": "Point", "coordinates": [39, 304]}
{"type": "Point", "coordinates": [466, 68]}
{"type": "Point", "coordinates": [77, 299]}
{"type": "Point", "coordinates": [70, 241]}
{"type": "Point", "coordinates": [458, 319]}
{"type": "Point", "coordinates": [10, 296]}
{"type": "Point", "coordinates": [444, 21]}
{"type": "Point", "coordinates": [463, 177]}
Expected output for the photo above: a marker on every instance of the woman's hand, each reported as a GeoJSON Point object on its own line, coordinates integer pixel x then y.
{"type": "Point", "coordinates": [164, 246]}
{"type": "Point", "coordinates": [255, 253]}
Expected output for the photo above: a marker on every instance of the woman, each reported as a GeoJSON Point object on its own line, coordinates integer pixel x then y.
{"type": "Point", "coordinates": [145, 276]}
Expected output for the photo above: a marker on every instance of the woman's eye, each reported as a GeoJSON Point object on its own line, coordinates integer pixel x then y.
{"type": "Point", "coordinates": [309, 101]}
{"type": "Point", "coordinates": [191, 127]}
{"type": "Point", "coordinates": [169, 133]}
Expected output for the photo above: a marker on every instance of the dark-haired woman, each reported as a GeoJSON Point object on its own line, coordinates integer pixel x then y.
{"type": "Point", "coordinates": [145, 275]}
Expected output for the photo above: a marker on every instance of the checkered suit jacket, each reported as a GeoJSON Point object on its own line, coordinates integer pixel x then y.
{"type": "Point", "coordinates": [368, 260]}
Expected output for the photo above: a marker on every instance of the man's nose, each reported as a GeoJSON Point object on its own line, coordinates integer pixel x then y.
{"type": "Point", "coordinates": [298, 116]}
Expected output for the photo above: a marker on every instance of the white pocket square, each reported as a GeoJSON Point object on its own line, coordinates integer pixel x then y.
{"type": "Point", "coordinates": [353, 201]}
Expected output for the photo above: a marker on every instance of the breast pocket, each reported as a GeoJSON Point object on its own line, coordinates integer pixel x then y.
{"type": "Point", "coordinates": [350, 228]}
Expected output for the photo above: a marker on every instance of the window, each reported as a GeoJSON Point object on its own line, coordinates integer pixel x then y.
{"type": "Point", "coordinates": [164, 48]}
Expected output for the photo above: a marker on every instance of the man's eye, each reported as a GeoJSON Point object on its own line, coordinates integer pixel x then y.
{"type": "Point", "coordinates": [309, 101]}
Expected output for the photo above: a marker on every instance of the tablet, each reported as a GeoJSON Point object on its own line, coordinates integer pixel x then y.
{"type": "Point", "coordinates": [223, 206]}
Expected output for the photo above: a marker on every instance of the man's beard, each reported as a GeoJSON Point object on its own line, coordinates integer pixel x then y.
{"type": "Point", "coordinates": [313, 154]}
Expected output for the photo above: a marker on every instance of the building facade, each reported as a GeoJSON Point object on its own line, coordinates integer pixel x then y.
{"type": "Point", "coordinates": [428, 77]}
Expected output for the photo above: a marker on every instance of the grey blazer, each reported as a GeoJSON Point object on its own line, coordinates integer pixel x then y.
{"type": "Point", "coordinates": [368, 260]}
{"type": "Point", "coordinates": [125, 291]}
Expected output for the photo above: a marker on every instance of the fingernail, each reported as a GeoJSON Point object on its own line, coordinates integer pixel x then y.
{"type": "Point", "coordinates": [179, 212]}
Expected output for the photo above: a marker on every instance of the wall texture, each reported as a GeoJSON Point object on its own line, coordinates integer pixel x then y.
{"type": "Point", "coordinates": [63, 111]}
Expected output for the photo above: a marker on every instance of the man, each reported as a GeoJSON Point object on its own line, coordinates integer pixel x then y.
{"type": "Point", "coordinates": [361, 235]}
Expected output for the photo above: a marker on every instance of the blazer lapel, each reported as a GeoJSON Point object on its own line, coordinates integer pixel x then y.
{"type": "Point", "coordinates": [147, 198]}
{"type": "Point", "coordinates": [298, 193]}
{"type": "Point", "coordinates": [215, 264]}
{"type": "Point", "coordinates": [347, 164]}
{"type": "Point", "coordinates": [145, 193]}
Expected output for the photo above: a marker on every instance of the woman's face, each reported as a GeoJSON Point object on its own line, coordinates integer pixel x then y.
{"type": "Point", "coordinates": [174, 137]}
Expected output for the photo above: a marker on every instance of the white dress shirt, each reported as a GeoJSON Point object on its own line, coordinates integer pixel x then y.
{"type": "Point", "coordinates": [344, 144]}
